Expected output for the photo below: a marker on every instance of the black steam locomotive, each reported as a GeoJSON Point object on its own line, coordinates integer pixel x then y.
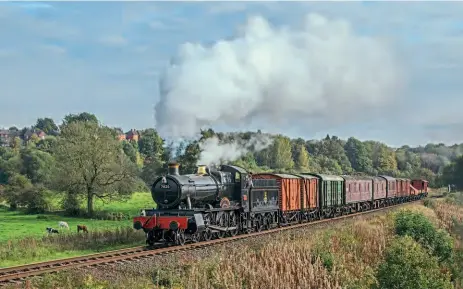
{"type": "Point", "coordinates": [210, 203]}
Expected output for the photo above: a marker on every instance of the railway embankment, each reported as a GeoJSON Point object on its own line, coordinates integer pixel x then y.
{"type": "Point", "coordinates": [355, 252]}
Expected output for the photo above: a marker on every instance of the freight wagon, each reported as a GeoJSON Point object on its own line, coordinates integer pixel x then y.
{"type": "Point", "coordinates": [218, 203]}
{"type": "Point", "coordinates": [359, 193]}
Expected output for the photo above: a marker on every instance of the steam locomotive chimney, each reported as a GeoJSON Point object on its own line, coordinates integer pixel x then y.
{"type": "Point", "coordinates": [173, 168]}
{"type": "Point", "coordinates": [201, 170]}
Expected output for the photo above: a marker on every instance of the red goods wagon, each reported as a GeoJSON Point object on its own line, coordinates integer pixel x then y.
{"type": "Point", "coordinates": [391, 186]}
{"type": "Point", "coordinates": [379, 188]}
{"type": "Point", "coordinates": [420, 185]}
{"type": "Point", "coordinates": [289, 189]}
{"type": "Point", "coordinates": [358, 189]}
{"type": "Point", "coordinates": [309, 192]}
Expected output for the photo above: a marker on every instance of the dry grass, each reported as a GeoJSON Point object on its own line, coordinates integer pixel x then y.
{"type": "Point", "coordinates": [449, 214]}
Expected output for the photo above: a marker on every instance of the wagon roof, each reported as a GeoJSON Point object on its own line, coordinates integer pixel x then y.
{"type": "Point", "coordinates": [387, 178]}
{"type": "Point", "coordinates": [356, 178]}
{"type": "Point", "coordinates": [281, 176]}
{"type": "Point", "coordinates": [378, 179]}
{"type": "Point", "coordinates": [420, 180]}
{"type": "Point", "coordinates": [326, 177]}
{"type": "Point", "coordinates": [306, 176]}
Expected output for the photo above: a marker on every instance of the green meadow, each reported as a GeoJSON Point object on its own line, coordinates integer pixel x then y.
{"type": "Point", "coordinates": [23, 237]}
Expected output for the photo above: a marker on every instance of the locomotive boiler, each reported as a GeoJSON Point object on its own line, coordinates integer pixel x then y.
{"type": "Point", "coordinates": [205, 189]}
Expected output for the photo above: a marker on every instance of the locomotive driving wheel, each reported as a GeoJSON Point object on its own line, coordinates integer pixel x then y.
{"type": "Point", "coordinates": [233, 222]}
{"type": "Point", "coordinates": [207, 235]}
{"type": "Point", "coordinates": [222, 222]}
{"type": "Point", "coordinates": [259, 223]}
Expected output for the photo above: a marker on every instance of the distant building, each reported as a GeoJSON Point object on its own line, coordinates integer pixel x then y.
{"type": "Point", "coordinates": [4, 137]}
{"type": "Point", "coordinates": [120, 134]}
{"type": "Point", "coordinates": [30, 132]}
{"type": "Point", "coordinates": [133, 134]}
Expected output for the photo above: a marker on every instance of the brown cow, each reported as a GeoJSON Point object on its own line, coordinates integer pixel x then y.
{"type": "Point", "coordinates": [82, 228]}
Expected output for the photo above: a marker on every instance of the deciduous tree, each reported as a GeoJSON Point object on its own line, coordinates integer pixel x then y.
{"type": "Point", "coordinates": [47, 125]}
{"type": "Point", "coordinates": [91, 161]}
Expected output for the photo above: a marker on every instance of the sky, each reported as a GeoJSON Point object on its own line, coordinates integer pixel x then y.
{"type": "Point", "coordinates": [108, 58]}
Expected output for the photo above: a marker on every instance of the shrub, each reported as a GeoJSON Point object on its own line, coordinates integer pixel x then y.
{"type": "Point", "coordinates": [417, 226]}
{"type": "Point", "coordinates": [71, 205]}
{"type": "Point", "coordinates": [410, 266]}
{"type": "Point", "coordinates": [36, 200]}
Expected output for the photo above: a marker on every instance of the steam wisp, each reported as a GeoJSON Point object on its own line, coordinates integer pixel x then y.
{"type": "Point", "coordinates": [214, 152]}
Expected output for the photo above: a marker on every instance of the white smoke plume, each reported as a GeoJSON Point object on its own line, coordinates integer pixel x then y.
{"type": "Point", "coordinates": [213, 152]}
{"type": "Point", "coordinates": [277, 78]}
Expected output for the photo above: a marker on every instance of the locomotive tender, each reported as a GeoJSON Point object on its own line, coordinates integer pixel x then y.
{"type": "Point", "coordinates": [218, 203]}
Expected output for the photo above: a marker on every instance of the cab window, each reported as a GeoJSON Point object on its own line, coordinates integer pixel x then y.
{"type": "Point", "coordinates": [237, 177]}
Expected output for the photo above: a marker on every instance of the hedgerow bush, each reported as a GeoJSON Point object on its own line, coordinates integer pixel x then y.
{"type": "Point", "coordinates": [417, 226]}
{"type": "Point", "coordinates": [409, 266]}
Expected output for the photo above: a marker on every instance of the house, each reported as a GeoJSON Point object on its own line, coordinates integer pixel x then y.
{"type": "Point", "coordinates": [41, 134]}
{"type": "Point", "coordinates": [120, 135]}
{"type": "Point", "coordinates": [4, 137]}
{"type": "Point", "coordinates": [30, 132]}
{"type": "Point", "coordinates": [133, 134]}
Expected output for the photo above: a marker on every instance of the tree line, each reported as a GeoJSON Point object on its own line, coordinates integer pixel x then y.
{"type": "Point", "coordinates": [82, 159]}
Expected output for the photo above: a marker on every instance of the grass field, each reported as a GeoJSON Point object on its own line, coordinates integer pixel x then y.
{"type": "Point", "coordinates": [23, 238]}
{"type": "Point", "coordinates": [17, 225]}
{"type": "Point", "coordinates": [131, 206]}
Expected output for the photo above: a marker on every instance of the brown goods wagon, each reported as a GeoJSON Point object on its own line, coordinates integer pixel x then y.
{"type": "Point", "coordinates": [309, 191]}
{"type": "Point", "coordinates": [289, 187]}
{"type": "Point", "coordinates": [379, 188]}
{"type": "Point", "coordinates": [358, 189]}
{"type": "Point", "coordinates": [391, 186]}
{"type": "Point", "coordinates": [420, 185]}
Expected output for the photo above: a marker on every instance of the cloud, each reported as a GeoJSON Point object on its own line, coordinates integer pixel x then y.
{"type": "Point", "coordinates": [114, 40]}
{"type": "Point", "coordinates": [54, 48]}
{"type": "Point", "coordinates": [277, 77]}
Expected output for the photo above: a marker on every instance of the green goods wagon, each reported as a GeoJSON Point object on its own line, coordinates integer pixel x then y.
{"type": "Point", "coordinates": [331, 190]}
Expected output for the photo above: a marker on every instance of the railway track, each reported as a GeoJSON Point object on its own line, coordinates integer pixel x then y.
{"type": "Point", "coordinates": [18, 274]}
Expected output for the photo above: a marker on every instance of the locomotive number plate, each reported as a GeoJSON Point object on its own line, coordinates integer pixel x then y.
{"type": "Point", "coordinates": [165, 186]}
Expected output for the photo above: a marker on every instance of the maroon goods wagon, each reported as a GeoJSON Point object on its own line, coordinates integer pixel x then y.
{"type": "Point", "coordinates": [421, 186]}
{"type": "Point", "coordinates": [358, 189]}
{"type": "Point", "coordinates": [379, 188]}
{"type": "Point", "coordinates": [407, 184]}
{"type": "Point", "coordinates": [399, 182]}
{"type": "Point", "coordinates": [391, 186]}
